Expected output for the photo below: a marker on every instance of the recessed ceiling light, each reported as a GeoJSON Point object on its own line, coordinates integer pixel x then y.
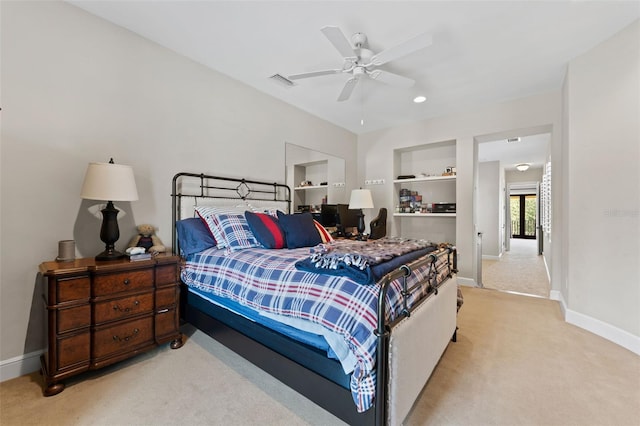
{"type": "Point", "coordinates": [419, 99]}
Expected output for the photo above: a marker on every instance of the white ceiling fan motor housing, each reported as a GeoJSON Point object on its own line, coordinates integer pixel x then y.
{"type": "Point", "coordinates": [358, 39]}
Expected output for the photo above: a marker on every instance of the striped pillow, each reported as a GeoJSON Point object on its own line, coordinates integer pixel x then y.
{"type": "Point", "coordinates": [324, 234]}
{"type": "Point", "coordinates": [235, 231]}
{"type": "Point", "coordinates": [207, 214]}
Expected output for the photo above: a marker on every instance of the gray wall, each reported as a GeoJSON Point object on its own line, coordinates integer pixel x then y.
{"type": "Point", "coordinates": [602, 275]}
{"type": "Point", "coordinates": [77, 89]}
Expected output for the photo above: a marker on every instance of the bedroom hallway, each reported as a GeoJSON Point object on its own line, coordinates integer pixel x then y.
{"type": "Point", "coordinates": [505, 369]}
{"type": "Point", "coordinates": [520, 270]}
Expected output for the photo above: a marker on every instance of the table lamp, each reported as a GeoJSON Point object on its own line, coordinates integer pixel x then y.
{"type": "Point", "coordinates": [361, 199]}
{"type": "Point", "coordinates": [109, 182]}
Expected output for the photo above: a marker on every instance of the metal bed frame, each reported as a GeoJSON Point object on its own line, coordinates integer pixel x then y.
{"type": "Point", "coordinates": [291, 362]}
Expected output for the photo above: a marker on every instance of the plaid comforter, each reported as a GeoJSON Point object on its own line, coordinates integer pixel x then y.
{"type": "Point", "coordinates": [267, 280]}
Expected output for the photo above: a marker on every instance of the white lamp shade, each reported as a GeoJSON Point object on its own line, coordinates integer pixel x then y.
{"type": "Point", "coordinates": [361, 199]}
{"type": "Point", "coordinates": [109, 182]}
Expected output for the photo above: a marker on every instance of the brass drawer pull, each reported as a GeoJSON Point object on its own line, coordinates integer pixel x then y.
{"type": "Point", "coordinates": [126, 338]}
{"type": "Point", "coordinates": [127, 309]}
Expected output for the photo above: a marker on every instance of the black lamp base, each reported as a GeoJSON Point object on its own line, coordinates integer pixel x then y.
{"type": "Point", "coordinates": [109, 233]}
{"type": "Point", "coordinates": [110, 255]}
{"type": "Point", "coordinates": [360, 225]}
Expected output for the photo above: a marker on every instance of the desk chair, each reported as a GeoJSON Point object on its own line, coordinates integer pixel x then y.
{"type": "Point", "coordinates": [378, 226]}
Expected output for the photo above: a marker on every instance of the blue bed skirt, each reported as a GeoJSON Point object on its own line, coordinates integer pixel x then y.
{"type": "Point", "coordinates": [325, 363]}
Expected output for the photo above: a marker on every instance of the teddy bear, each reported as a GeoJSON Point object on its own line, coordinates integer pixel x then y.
{"type": "Point", "coordinates": [146, 238]}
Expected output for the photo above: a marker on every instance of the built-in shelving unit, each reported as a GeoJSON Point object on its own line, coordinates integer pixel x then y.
{"type": "Point", "coordinates": [323, 176]}
{"type": "Point", "coordinates": [434, 186]}
{"type": "Point", "coordinates": [314, 194]}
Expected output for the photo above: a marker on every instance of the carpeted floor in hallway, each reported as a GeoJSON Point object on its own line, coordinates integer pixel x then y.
{"type": "Point", "coordinates": [520, 270]}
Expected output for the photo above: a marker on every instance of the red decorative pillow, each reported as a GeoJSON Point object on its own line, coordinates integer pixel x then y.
{"type": "Point", "coordinates": [266, 229]}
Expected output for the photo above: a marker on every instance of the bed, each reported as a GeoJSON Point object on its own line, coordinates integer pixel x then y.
{"type": "Point", "coordinates": [359, 340]}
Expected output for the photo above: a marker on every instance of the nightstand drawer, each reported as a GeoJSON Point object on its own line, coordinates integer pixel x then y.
{"type": "Point", "coordinates": [73, 350]}
{"type": "Point", "coordinates": [73, 318]}
{"type": "Point", "coordinates": [166, 324]}
{"type": "Point", "coordinates": [122, 337]}
{"type": "Point", "coordinates": [124, 307]}
{"type": "Point", "coordinates": [123, 281]}
{"type": "Point", "coordinates": [166, 275]}
{"type": "Point", "coordinates": [73, 289]}
{"type": "Point", "coordinates": [166, 297]}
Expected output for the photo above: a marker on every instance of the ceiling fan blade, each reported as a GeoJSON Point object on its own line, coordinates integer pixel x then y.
{"type": "Point", "coordinates": [348, 88]}
{"type": "Point", "coordinates": [416, 43]}
{"type": "Point", "coordinates": [391, 79]}
{"type": "Point", "coordinates": [339, 41]}
{"type": "Point", "coordinates": [313, 74]}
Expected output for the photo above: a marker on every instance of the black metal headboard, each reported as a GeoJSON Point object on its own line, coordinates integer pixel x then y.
{"type": "Point", "coordinates": [200, 186]}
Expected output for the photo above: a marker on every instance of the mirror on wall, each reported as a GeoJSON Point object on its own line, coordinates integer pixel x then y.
{"type": "Point", "coordinates": [315, 178]}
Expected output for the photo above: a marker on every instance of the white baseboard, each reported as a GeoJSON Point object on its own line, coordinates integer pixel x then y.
{"type": "Point", "coordinates": [20, 365]}
{"type": "Point", "coordinates": [546, 267]}
{"type": "Point", "coordinates": [556, 295]}
{"type": "Point", "coordinates": [469, 282]}
{"type": "Point", "coordinates": [490, 257]}
{"type": "Point", "coordinates": [597, 327]}
{"type": "Point", "coordinates": [602, 329]}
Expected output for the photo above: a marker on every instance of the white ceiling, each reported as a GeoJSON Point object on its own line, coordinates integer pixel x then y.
{"type": "Point", "coordinates": [483, 52]}
{"type": "Point", "coordinates": [530, 149]}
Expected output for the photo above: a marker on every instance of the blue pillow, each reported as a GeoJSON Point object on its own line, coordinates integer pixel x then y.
{"type": "Point", "coordinates": [266, 230]}
{"type": "Point", "coordinates": [193, 236]}
{"type": "Point", "coordinates": [299, 229]}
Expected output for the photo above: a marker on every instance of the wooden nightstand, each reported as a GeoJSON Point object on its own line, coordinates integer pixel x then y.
{"type": "Point", "coordinates": [98, 313]}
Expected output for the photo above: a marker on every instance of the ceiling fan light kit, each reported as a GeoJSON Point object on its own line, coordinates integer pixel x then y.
{"type": "Point", "coordinates": [361, 62]}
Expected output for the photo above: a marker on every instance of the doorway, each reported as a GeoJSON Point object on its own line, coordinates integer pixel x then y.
{"type": "Point", "coordinates": [523, 214]}
{"type": "Point", "coordinates": [507, 203]}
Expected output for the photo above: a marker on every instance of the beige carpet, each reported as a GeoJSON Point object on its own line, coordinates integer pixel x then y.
{"type": "Point", "coordinates": [515, 363]}
{"type": "Point", "coordinates": [519, 270]}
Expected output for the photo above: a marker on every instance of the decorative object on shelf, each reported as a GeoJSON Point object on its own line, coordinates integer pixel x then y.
{"type": "Point", "coordinates": [361, 199]}
{"type": "Point", "coordinates": [147, 239]}
{"type": "Point", "coordinates": [449, 171]}
{"type": "Point", "coordinates": [66, 251]}
{"type": "Point", "coordinates": [523, 167]}
{"type": "Point", "coordinates": [306, 183]}
{"type": "Point", "coordinates": [109, 182]}
{"type": "Point", "coordinates": [406, 176]}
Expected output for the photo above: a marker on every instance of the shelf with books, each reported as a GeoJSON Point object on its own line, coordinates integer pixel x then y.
{"type": "Point", "coordinates": [424, 214]}
{"type": "Point", "coordinates": [425, 188]}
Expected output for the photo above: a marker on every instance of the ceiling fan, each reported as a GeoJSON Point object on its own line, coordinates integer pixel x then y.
{"type": "Point", "coordinates": [361, 62]}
